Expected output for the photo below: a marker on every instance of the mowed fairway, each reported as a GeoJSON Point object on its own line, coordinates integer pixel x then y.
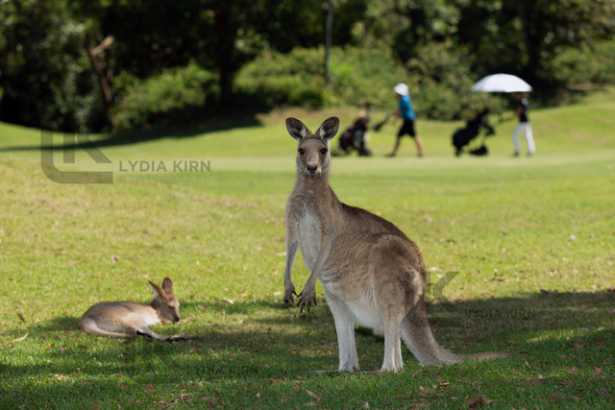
{"type": "Point", "coordinates": [521, 252]}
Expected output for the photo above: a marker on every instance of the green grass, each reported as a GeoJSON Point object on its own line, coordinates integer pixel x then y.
{"type": "Point", "coordinates": [529, 243]}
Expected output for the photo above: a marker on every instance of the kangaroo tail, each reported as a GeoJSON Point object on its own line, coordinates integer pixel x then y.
{"type": "Point", "coordinates": [417, 336]}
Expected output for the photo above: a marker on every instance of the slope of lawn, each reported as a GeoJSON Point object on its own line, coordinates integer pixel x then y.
{"type": "Point", "coordinates": [521, 255]}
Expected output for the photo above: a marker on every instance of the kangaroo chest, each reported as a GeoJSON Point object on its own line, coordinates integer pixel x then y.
{"type": "Point", "coordinates": [309, 229]}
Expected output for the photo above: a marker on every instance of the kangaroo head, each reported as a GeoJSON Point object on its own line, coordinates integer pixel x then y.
{"type": "Point", "coordinates": [165, 302]}
{"type": "Point", "coordinates": [313, 152]}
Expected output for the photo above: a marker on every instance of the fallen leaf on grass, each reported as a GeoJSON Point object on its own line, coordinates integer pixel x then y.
{"type": "Point", "coordinates": [604, 392]}
{"type": "Point", "coordinates": [478, 401]}
{"type": "Point", "coordinates": [539, 380]}
{"type": "Point", "coordinates": [555, 397]}
{"type": "Point", "coordinates": [578, 346]}
{"type": "Point", "coordinates": [312, 394]}
{"type": "Point", "coordinates": [425, 391]}
{"type": "Point", "coordinates": [229, 301]}
{"type": "Point", "coordinates": [21, 317]}
{"type": "Point", "coordinates": [598, 371]}
{"type": "Point", "coordinates": [21, 339]}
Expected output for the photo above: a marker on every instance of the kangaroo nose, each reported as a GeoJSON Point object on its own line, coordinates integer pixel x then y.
{"type": "Point", "coordinates": [312, 168]}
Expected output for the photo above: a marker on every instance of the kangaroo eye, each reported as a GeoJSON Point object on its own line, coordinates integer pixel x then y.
{"type": "Point", "coordinates": [323, 151]}
{"type": "Point", "coordinates": [301, 151]}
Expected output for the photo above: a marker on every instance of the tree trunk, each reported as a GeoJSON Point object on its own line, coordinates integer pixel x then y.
{"type": "Point", "coordinates": [225, 56]}
{"type": "Point", "coordinates": [103, 74]}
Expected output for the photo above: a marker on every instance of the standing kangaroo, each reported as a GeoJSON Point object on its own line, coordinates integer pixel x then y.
{"type": "Point", "coordinates": [129, 319]}
{"type": "Point", "coordinates": [372, 273]}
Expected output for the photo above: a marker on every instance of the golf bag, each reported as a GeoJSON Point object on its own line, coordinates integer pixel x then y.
{"type": "Point", "coordinates": [462, 137]}
{"type": "Point", "coordinates": [353, 139]}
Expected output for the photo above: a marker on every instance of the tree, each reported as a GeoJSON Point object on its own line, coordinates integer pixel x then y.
{"type": "Point", "coordinates": [523, 36]}
{"type": "Point", "coordinates": [43, 72]}
{"type": "Point", "coordinates": [407, 25]}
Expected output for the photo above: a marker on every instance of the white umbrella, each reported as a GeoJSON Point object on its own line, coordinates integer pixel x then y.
{"type": "Point", "coordinates": [502, 83]}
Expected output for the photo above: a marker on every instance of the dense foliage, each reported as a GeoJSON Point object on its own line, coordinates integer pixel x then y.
{"type": "Point", "coordinates": [440, 83]}
{"type": "Point", "coordinates": [172, 96]}
{"type": "Point", "coordinates": [48, 77]}
{"type": "Point", "coordinates": [44, 74]}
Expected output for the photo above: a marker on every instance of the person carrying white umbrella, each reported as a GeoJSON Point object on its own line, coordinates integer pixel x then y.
{"type": "Point", "coordinates": [506, 83]}
{"type": "Point", "coordinates": [523, 126]}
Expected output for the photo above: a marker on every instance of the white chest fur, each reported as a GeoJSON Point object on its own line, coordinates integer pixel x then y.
{"type": "Point", "coordinates": [309, 230]}
{"type": "Point", "coordinates": [143, 318]}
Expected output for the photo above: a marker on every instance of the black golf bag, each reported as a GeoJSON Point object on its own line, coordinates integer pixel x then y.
{"type": "Point", "coordinates": [462, 137]}
{"type": "Point", "coordinates": [353, 139]}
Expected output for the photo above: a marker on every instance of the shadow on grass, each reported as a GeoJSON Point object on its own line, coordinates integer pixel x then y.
{"type": "Point", "coordinates": [58, 324]}
{"type": "Point", "coordinates": [137, 137]}
{"type": "Point", "coordinates": [547, 333]}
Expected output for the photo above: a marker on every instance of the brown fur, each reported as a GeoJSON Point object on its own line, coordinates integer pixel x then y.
{"type": "Point", "coordinates": [129, 319]}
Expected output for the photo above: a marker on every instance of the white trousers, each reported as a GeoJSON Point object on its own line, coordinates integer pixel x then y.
{"type": "Point", "coordinates": [526, 128]}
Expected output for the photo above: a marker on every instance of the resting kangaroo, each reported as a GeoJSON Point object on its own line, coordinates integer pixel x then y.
{"type": "Point", "coordinates": [129, 319]}
{"type": "Point", "coordinates": [372, 273]}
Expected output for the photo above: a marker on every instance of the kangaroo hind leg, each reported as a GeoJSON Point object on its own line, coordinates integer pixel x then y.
{"type": "Point", "coordinates": [344, 328]}
{"type": "Point", "coordinates": [92, 327]}
{"type": "Point", "coordinates": [392, 361]}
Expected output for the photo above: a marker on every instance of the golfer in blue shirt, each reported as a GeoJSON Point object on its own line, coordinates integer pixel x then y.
{"type": "Point", "coordinates": [407, 114]}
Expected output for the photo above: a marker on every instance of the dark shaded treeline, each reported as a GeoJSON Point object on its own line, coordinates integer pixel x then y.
{"type": "Point", "coordinates": [65, 64]}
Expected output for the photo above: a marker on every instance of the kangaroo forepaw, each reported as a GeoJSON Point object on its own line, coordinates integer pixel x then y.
{"type": "Point", "coordinates": [289, 296]}
{"type": "Point", "coordinates": [307, 299]}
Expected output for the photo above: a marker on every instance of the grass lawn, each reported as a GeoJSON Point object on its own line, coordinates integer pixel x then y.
{"type": "Point", "coordinates": [525, 247]}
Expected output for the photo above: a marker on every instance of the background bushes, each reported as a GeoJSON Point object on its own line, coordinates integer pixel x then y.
{"type": "Point", "coordinates": [586, 66]}
{"type": "Point", "coordinates": [275, 79]}
{"type": "Point", "coordinates": [439, 78]}
{"type": "Point", "coordinates": [171, 97]}
{"type": "Point", "coordinates": [163, 61]}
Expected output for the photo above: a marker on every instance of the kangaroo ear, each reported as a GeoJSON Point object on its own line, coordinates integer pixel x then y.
{"type": "Point", "coordinates": [328, 129]}
{"type": "Point", "coordinates": [156, 289]}
{"type": "Point", "coordinates": [296, 128]}
{"type": "Point", "coordinates": [167, 285]}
